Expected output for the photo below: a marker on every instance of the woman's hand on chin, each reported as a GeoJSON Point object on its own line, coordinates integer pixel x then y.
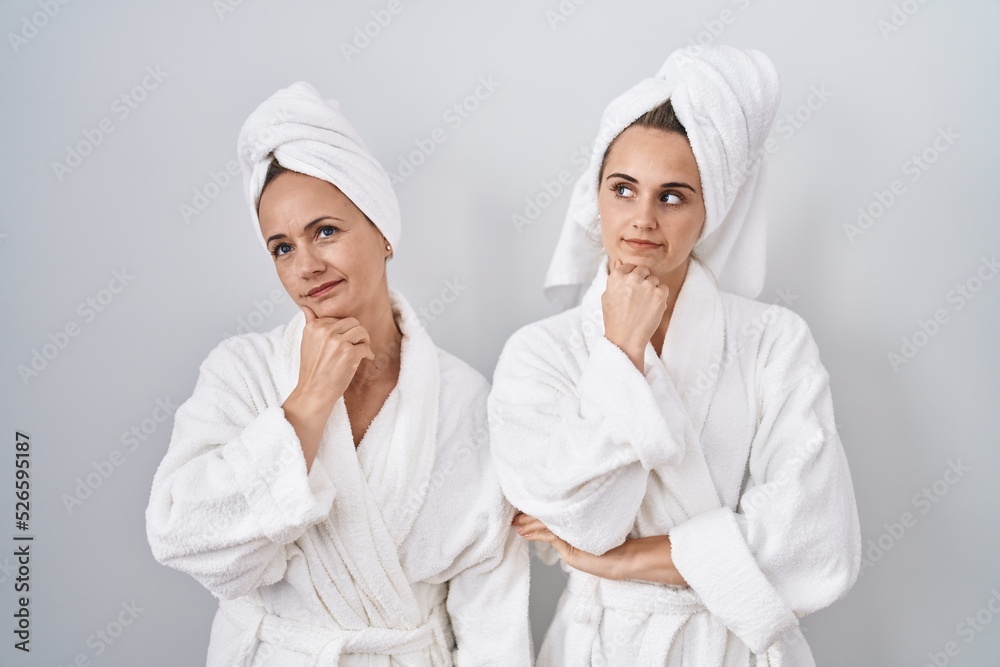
{"type": "Point", "coordinates": [633, 305]}
{"type": "Point", "coordinates": [330, 352]}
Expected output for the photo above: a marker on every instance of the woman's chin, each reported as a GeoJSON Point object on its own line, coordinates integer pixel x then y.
{"type": "Point", "coordinates": [332, 306]}
{"type": "Point", "coordinates": [654, 264]}
{"type": "Point", "coordinates": [662, 267]}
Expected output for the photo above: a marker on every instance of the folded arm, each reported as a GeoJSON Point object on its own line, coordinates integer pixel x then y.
{"type": "Point", "coordinates": [793, 546]}
{"type": "Point", "coordinates": [640, 558]}
{"type": "Point", "coordinates": [574, 446]}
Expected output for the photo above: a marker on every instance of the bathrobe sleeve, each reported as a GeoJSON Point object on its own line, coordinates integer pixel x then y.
{"type": "Point", "coordinates": [794, 544]}
{"type": "Point", "coordinates": [488, 562]}
{"type": "Point", "coordinates": [574, 442]}
{"type": "Point", "coordinates": [488, 607]}
{"type": "Point", "coordinates": [233, 489]}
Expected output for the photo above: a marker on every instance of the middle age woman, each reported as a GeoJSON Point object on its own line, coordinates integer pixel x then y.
{"type": "Point", "coordinates": [670, 437]}
{"type": "Point", "coordinates": [329, 481]}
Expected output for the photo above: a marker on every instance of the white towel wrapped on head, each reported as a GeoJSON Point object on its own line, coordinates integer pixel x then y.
{"type": "Point", "coordinates": [309, 135]}
{"type": "Point", "coordinates": [726, 99]}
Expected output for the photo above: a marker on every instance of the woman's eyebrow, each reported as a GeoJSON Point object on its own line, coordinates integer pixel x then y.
{"type": "Point", "coordinates": [672, 184]}
{"type": "Point", "coordinates": [678, 184]}
{"type": "Point", "coordinates": [306, 228]}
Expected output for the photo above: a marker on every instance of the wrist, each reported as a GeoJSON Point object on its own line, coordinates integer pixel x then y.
{"type": "Point", "coordinates": [309, 402]}
{"type": "Point", "coordinates": [636, 352]}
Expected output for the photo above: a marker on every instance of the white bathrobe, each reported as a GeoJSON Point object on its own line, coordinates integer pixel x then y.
{"type": "Point", "coordinates": [397, 553]}
{"type": "Point", "coordinates": [726, 443]}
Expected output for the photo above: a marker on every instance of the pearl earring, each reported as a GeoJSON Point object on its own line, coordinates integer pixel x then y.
{"type": "Point", "coordinates": [388, 247]}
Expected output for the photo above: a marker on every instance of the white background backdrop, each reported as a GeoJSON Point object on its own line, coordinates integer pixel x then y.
{"type": "Point", "coordinates": [189, 280]}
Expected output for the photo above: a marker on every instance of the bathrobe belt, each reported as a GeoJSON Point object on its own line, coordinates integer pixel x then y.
{"type": "Point", "coordinates": [325, 645]}
{"type": "Point", "coordinates": [669, 608]}
{"type": "Point", "coordinates": [594, 593]}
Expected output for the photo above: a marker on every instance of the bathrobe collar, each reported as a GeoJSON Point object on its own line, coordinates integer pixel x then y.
{"type": "Point", "coordinates": [693, 347]}
{"type": "Point", "coordinates": [398, 450]}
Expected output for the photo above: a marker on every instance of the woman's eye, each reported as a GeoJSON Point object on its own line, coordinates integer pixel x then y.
{"type": "Point", "coordinates": [623, 191]}
{"type": "Point", "coordinates": [329, 228]}
{"type": "Point", "coordinates": [277, 249]}
{"type": "Point", "coordinates": [667, 195]}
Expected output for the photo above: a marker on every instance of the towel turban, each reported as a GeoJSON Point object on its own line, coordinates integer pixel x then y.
{"type": "Point", "coordinates": [309, 135]}
{"type": "Point", "coordinates": [727, 99]}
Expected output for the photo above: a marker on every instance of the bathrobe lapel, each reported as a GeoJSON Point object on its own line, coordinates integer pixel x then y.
{"type": "Point", "coordinates": [379, 486]}
{"type": "Point", "coordinates": [694, 342]}
{"type": "Point", "coordinates": [680, 375]}
{"type": "Point", "coordinates": [399, 461]}
{"type": "Point", "coordinates": [693, 346]}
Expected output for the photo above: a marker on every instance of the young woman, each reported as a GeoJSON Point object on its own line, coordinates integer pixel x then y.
{"type": "Point", "coordinates": [330, 480]}
{"type": "Point", "coordinates": [670, 438]}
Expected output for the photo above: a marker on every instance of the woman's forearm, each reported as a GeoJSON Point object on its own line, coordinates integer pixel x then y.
{"type": "Point", "coordinates": [637, 558]}
{"type": "Point", "coordinates": [308, 417]}
{"type": "Point", "coordinates": [649, 559]}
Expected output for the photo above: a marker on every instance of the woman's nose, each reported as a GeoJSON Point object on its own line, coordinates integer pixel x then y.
{"type": "Point", "coordinates": [309, 262]}
{"type": "Point", "coordinates": [645, 216]}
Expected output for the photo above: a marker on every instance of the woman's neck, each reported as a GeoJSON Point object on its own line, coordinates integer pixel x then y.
{"type": "Point", "coordinates": [674, 280]}
{"type": "Point", "coordinates": [385, 342]}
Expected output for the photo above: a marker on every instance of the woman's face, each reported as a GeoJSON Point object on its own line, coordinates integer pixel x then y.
{"type": "Point", "coordinates": [328, 255]}
{"type": "Point", "coordinates": [650, 200]}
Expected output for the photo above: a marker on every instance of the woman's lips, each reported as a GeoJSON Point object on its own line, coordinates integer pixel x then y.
{"type": "Point", "coordinates": [639, 244]}
{"type": "Point", "coordinates": [324, 288]}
